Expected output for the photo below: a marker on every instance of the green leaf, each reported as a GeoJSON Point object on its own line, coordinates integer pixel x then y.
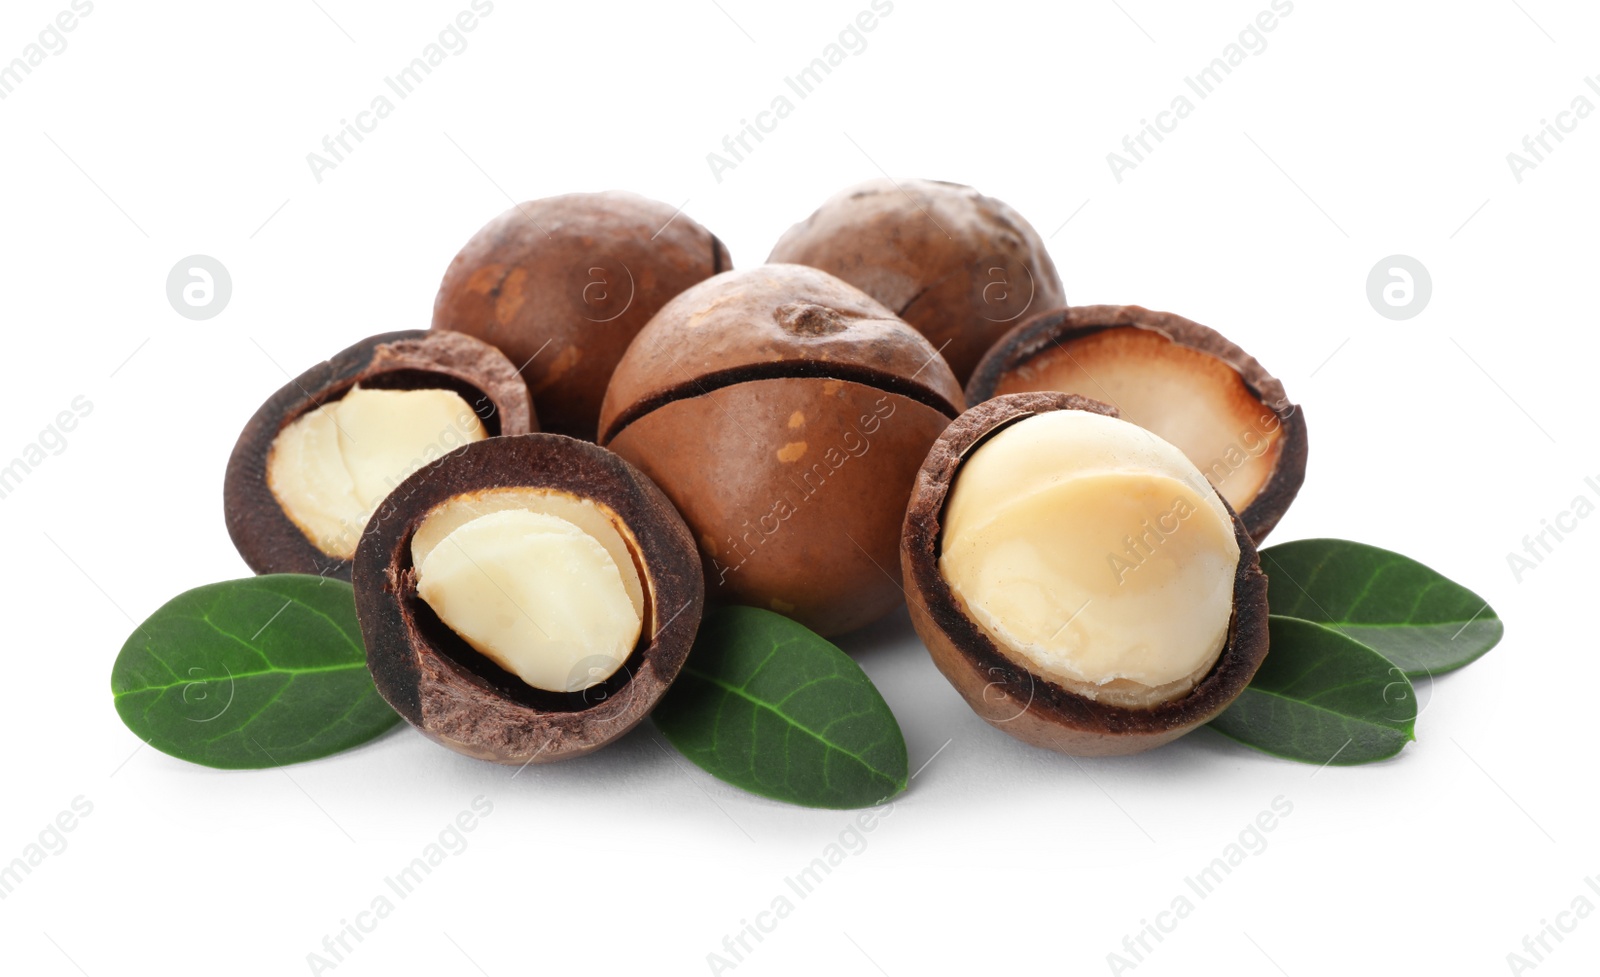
{"type": "Point", "coordinates": [770, 707]}
{"type": "Point", "coordinates": [250, 673]}
{"type": "Point", "coordinates": [1323, 698]}
{"type": "Point", "coordinates": [1415, 617]}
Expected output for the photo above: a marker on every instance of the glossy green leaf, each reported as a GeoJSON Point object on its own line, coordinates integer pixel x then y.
{"type": "Point", "coordinates": [258, 672]}
{"type": "Point", "coordinates": [768, 706]}
{"type": "Point", "coordinates": [1413, 616]}
{"type": "Point", "coordinates": [1323, 698]}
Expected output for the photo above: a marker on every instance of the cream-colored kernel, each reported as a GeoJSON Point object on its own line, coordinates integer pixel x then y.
{"type": "Point", "coordinates": [1094, 554]}
{"type": "Point", "coordinates": [537, 595]}
{"type": "Point", "coordinates": [598, 521]}
{"type": "Point", "coordinates": [329, 468]}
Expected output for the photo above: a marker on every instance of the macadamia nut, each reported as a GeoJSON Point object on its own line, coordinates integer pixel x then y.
{"type": "Point", "coordinates": [568, 543]}
{"type": "Point", "coordinates": [330, 467]}
{"type": "Point", "coordinates": [1192, 399]}
{"type": "Point", "coordinates": [785, 414]}
{"type": "Point", "coordinates": [1094, 555]}
{"type": "Point", "coordinates": [1182, 381]}
{"type": "Point", "coordinates": [541, 583]}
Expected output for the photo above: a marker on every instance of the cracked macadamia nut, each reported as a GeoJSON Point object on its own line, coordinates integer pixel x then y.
{"type": "Point", "coordinates": [1175, 377]}
{"type": "Point", "coordinates": [1078, 580]}
{"type": "Point", "coordinates": [960, 267]}
{"type": "Point", "coordinates": [331, 467]}
{"type": "Point", "coordinates": [562, 614]}
{"type": "Point", "coordinates": [321, 454]}
{"type": "Point", "coordinates": [527, 599]}
{"type": "Point", "coordinates": [563, 284]}
{"type": "Point", "coordinates": [785, 414]}
{"type": "Point", "coordinates": [1076, 517]}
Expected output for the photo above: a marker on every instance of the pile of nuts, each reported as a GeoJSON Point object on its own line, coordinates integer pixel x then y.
{"type": "Point", "coordinates": [607, 427]}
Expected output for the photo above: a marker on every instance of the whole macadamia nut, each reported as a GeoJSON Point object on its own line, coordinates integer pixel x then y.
{"type": "Point", "coordinates": [961, 267]}
{"type": "Point", "coordinates": [563, 284]}
{"type": "Point", "coordinates": [785, 413]}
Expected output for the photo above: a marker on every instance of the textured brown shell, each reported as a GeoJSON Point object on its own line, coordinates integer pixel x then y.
{"type": "Point", "coordinates": [1056, 327]}
{"type": "Point", "coordinates": [960, 267]}
{"type": "Point", "coordinates": [563, 284]}
{"type": "Point", "coordinates": [773, 321]}
{"type": "Point", "coordinates": [786, 413]}
{"type": "Point", "coordinates": [1007, 696]}
{"type": "Point", "coordinates": [464, 701]}
{"type": "Point", "coordinates": [407, 360]}
{"type": "Point", "coordinates": [796, 488]}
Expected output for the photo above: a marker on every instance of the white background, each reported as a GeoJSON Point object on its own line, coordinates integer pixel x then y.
{"type": "Point", "coordinates": [1364, 129]}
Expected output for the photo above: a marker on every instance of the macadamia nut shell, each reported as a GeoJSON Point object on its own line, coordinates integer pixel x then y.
{"type": "Point", "coordinates": [960, 267]}
{"type": "Point", "coordinates": [1005, 694]}
{"type": "Point", "coordinates": [1053, 335]}
{"type": "Point", "coordinates": [785, 413]}
{"type": "Point", "coordinates": [563, 284]}
{"type": "Point", "coordinates": [461, 700]}
{"type": "Point", "coordinates": [262, 532]}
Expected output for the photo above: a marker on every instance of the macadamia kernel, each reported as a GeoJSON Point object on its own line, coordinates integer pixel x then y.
{"type": "Point", "coordinates": [541, 583]}
{"type": "Point", "coordinates": [331, 467]}
{"type": "Point", "coordinates": [1094, 555]}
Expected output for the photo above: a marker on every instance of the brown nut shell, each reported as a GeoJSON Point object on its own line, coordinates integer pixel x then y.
{"type": "Point", "coordinates": [792, 471]}
{"type": "Point", "coordinates": [1142, 346]}
{"type": "Point", "coordinates": [461, 699]}
{"type": "Point", "coordinates": [785, 413]}
{"type": "Point", "coordinates": [1007, 696]}
{"type": "Point", "coordinates": [411, 359]}
{"type": "Point", "coordinates": [772, 321]}
{"type": "Point", "coordinates": [563, 284]}
{"type": "Point", "coordinates": [960, 267]}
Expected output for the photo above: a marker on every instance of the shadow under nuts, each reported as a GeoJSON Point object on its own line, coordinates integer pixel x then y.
{"type": "Point", "coordinates": [1077, 579]}
{"type": "Point", "coordinates": [960, 267]}
{"type": "Point", "coordinates": [527, 599]}
{"type": "Point", "coordinates": [320, 455]}
{"type": "Point", "coordinates": [563, 284]}
{"type": "Point", "coordinates": [785, 413]}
